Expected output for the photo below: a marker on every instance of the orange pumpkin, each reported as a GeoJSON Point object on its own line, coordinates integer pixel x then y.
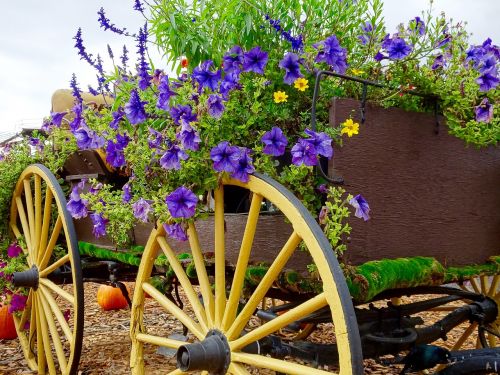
{"type": "Point", "coordinates": [111, 298]}
{"type": "Point", "coordinates": [7, 327]}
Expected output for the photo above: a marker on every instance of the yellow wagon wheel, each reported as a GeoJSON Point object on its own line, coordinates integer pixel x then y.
{"type": "Point", "coordinates": [215, 319]}
{"type": "Point", "coordinates": [50, 328]}
{"type": "Point", "coordinates": [486, 335]}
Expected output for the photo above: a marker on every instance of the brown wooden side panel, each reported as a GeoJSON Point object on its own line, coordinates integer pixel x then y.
{"type": "Point", "coordinates": [272, 233]}
{"type": "Point", "coordinates": [429, 193]}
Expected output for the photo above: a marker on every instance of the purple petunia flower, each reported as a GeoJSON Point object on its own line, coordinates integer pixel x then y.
{"type": "Point", "coordinates": [87, 139]}
{"type": "Point", "coordinates": [233, 60]}
{"type": "Point", "coordinates": [379, 56]}
{"type": "Point", "coordinates": [215, 106]}
{"type": "Point", "coordinates": [205, 77]}
{"type": "Point", "coordinates": [488, 80]}
{"type": "Point", "coordinates": [176, 231]}
{"type": "Point", "coordinates": [117, 117]}
{"type": "Point", "coordinates": [244, 167]}
{"type": "Point", "coordinates": [157, 139]}
{"type": "Point", "coordinates": [361, 206]}
{"type": "Point", "coordinates": [183, 113]}
{"type": "Point", "coordinates": [14, 250]}
{"type": "Point", "coordinates": [141, 210]}
{"type": "Point", "coordinates": [484, 111]}
{"type": "Point", "coordinates": [274, 142]}
{"type": "Point", "coordinates": [398, 49]}
{"type": "Point", "coordinates": [181, 203]}
{"type": "Point", "coordinates": [488, 62]}
{"type": "Point", "coordinates": [164, 94]}
{"type": "Point", "coordinates": [99, 222]}
{"type": "Point", "coordinates": [225, 157]}
{"type": "Point", "coordinates": [57, 118]}
{"type": "Point", "coordinates": [322, 143]}
{"type": "Point", "coordinates": [304, 153]}
{"type": "Point", "coordinates": [171, 159]}
{"type": "Point", "coordinates": [292, 68]}
{"type": "Point", "coordinates": [333, 54]}
{"type": "Point", "coordinates": [189, 137]}
{"type": "Point", "coordinates": [94, 189]}
{"type": "Point", "coordinates": [126, 196]}
{"type": "Point", "coordinates": [230, 82]}
{"type": "Point", "coordinates": [17, 303]}
{"type": "Point", "coordinates": [439, 62]}
{"type": "Point", "coordinates": [77, 206]}
{"type": "Point", "coordinates": [417, 25]}
{"type": "Point", "coordinates": [444, 41]}
{"type": "Point", "coordinates": [255, 60]}
{"type": "Point", "coordinates": [115, 155]}
{"type": "Point", "coordinates": [134, 109]}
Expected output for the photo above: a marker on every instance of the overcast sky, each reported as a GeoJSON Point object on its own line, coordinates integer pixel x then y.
{"type": "Point", "coordinates": [37, 54]}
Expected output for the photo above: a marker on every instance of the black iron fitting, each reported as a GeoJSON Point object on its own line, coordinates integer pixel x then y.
{"type": "Point", "coordinates": [26, 279]}
{"type": "Point", "coordinates": [212, 354]}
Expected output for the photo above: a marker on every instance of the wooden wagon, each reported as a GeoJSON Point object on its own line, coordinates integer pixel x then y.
{"type": "Point", "coordinates": [249, 301]}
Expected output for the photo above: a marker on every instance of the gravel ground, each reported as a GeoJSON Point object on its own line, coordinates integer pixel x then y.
{"type": "Point", "coordinates": [106, 346]}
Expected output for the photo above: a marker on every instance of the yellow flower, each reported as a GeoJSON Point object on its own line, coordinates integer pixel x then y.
{"type": "Point", "coordinates": [350, 128]}
{"type": "Point", "coordinates": [357, 72]}
{"type": "Point", "coordinates": [280, 97]}
{"type": "Point", "coordinates": [301, 84]}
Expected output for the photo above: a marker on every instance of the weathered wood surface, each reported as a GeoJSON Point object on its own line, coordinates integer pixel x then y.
{"type": "Point", "coordinates": [430, 194]}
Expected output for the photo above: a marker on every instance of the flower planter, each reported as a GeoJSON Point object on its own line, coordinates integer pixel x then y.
{"type": "Point", "coordinates": [430, 194]}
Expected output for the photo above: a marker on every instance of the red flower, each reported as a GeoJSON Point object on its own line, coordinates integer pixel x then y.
{"type": "Point", "coordinates": [184, 62]}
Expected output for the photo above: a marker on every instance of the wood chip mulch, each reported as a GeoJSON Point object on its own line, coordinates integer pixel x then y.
{"type": "Point", "coordinates": [106, 345]}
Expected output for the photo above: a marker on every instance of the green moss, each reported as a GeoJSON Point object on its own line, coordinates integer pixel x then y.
{"type": "Point", "coordinates": [126, 257]}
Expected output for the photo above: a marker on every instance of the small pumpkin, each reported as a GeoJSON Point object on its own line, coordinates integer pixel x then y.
{"type": "Point", "coordinates": [7, 327]}
{"type": "Point", "coordinates": [111, 298]}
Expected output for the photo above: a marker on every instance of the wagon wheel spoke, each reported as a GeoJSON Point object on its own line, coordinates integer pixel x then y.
{"type": "Point", "coordinates": [174, 310]}
{"type": "Point", "coordinates": [264, 286]}
{"type": "Point", "coordinates": [201, 272]}
{"type": "Point", "coordinates": [242, 262]}
{"type": "Point", "coordinates": [220, 260]}
{"type": "Point", "coordinates": [308, 307]}
{"type": "Point", "coordinates": [238, 369]}
{"type": "Point", "coordinates": [275, 364]}
{"type": "Point", "coordinates": [40, 219]}
{"type": "Point", "coordinates": [184, 280]}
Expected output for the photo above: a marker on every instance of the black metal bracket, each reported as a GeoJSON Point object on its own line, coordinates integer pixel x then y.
{"type": "Point", "coordinates": [366, 83]}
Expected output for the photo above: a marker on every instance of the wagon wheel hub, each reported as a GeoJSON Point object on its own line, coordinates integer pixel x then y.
{"type": "Point", "coordinates": [27, 279]}
{"type": "Point", "coordinates": [212, 354]}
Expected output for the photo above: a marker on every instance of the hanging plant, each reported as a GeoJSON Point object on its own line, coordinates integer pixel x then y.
{"type": "Point", "coordinates": [111, 298]}
{"type": "Point", "coordinates": [7, 327]}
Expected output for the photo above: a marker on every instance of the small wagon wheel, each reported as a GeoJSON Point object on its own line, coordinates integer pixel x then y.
{"type": "Point", "coordinates": [488, 335]}
{"type": "Point", "coordinates": [50, 328]}
{"type": "Point", "coordinates": [216, 319]}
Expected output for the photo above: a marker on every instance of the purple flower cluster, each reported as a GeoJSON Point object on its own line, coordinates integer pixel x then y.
{"type": "Point", "coordinates": [141, 210]}
{"type": "Point", "coordinates": [124, 57]}
{"type": "Point", "coordinates": [205, 77]}
{"type": "Point", "coordinates": [87, 139]}
{"type": "Point", "coordinates": [367, 29]}
{"type": "Point", "coordinates": [115, 151]}
{"type": "Point", "coordinates": [306, 151]}
{"type": "Point", "coordinates": [297, 42]}
{"type": "Point", "coordinates": [215, 106]}
{"type": "Point", "coordinates": [14, 250]}
{"type": "Point", "coordinates": [126, 195]}
{"type": "Point", "coordinates": [274, 142]}
{"type": "Point", "coordinates": [395, 48]}
{"type": "Point", "coordinates": [181, 203]}
{"type": "Point", "coordinates": [292, 68]}
{"type": "Point", "coordinates": [183, 113]}
{"type": "Point", "coordinates": [176, 231]}
{"type": "Point", "coordinates": [81, 48]}
{"type": "Point", "coordinates": [99, 224]}
{"type": "Point", "coordinates": [143, 66]}
{"type": "Point", "coordinates": [332, 53]}
{"type": "Point", "coordinates": [484, 59]}
{"type": "Point", "coordinates": [106, 24]}
{"type": "Point", "coordinates": [361, 206]}
{"type": "Point", "coordinates": [189, 138]}
{"type": "Point", "coordinates": [77, 206]}
{"type": "Point", "coordinates": [164, 94]}
{"type": "Point", "coordinates": [118, 116]}
{"type": "Point", "coordinates": [171, 159]}
{"type": "Point", "coordinates": [484, 111]}
{"type": "Point", "coordinates": [232, 159]}
{"type": "Point", "coordinates": [17, 303]}
{"type": "Point", "coordinates": [134, 109]}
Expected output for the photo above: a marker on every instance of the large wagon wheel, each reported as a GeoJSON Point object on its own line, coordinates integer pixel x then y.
{"type": "Point", "coordinates": [217, 319]}
{"type": "Point", "coordinates": [50, 328]}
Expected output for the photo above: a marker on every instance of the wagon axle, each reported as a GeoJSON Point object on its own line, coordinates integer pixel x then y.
{"type": "Point", "coordinates": [27, 279]}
